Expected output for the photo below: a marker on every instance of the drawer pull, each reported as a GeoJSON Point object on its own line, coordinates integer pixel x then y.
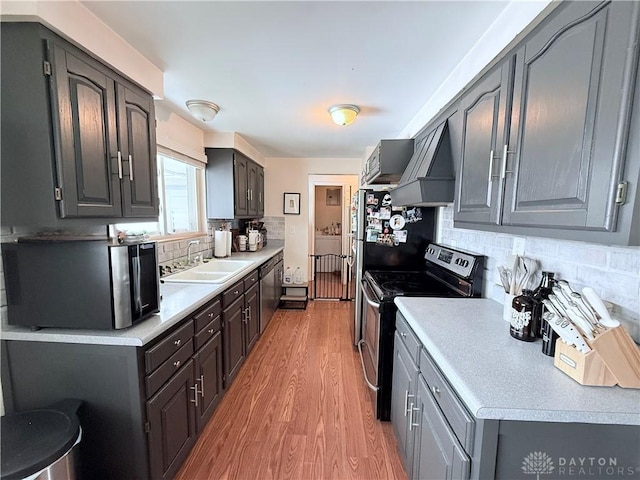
{"type": "Point", "coordinates": [177, 342]}
{"type": "Point", "coordinates": [211, 315]}
{"type": "Point", "coordinates": [435, 390]}
{"type": "Point", "coordinates": [210, 331]}
{"type": "Point", "coordinates": [236, 292]}
{"type": "Point", "coordinates": [403, 335]}
{"type": "Point", "coordinates": [176, 363]}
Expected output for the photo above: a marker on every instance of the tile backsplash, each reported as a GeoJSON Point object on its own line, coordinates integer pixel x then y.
{"type": "Point", "coordinates": [612, 271]}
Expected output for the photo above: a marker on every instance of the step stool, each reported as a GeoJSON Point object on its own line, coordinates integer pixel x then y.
{"type": "Point", "coordinates": [294, 296]}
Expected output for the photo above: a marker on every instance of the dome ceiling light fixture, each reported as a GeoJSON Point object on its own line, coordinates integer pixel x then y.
{"type": "Point", "coordinates": [203, 110]}
{"type": "Point", "coordinates": [343, 114]}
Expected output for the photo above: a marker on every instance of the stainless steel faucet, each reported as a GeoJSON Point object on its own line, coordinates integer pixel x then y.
{"type": "Point", "coordinates": [192, 242]}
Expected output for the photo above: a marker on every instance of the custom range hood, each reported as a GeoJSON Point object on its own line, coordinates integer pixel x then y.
{"type": "Point", "coordinates": [429, 177]}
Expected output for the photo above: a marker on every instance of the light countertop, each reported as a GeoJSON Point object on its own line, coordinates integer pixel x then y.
{"type": "Point", "coordinates": [179, 300]}
{"type": "Point", "coordinates": [501, 378]}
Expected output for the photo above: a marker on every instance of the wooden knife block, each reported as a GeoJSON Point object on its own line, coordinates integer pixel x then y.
{"type": "Point", "coordinates": [614, 359]}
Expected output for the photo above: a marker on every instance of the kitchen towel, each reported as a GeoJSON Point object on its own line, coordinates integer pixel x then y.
{"type": "Point", "coordinates": [220, 243]}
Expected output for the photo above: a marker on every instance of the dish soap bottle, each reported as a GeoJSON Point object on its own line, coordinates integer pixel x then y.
{"type": "Point", "coordinates": [523, 325]}
{"type": "Point", "coordinates": [288, 276]}
{"type": "Point", "coordinates": [297, 276]}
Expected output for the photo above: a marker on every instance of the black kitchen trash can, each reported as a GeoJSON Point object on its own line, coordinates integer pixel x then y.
{"type": "Point", "coordinates": [41, 444]}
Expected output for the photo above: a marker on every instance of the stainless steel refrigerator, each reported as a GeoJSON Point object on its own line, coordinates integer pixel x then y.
{"type": "Point", "coordinates": [385, 237]}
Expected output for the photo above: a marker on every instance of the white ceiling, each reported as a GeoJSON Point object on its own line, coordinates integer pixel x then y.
{"type": "Point", "coordinates": [274, 68]}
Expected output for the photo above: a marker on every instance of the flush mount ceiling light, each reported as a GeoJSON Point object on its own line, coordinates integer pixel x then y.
{"type": "Point", "coordinates": [343, 114]}
{"type": "Point", "coordinates": [203, 110]}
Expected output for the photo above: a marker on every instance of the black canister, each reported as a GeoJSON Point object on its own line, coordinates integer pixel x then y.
{"type": "Point", "coordinates": [548, 335]}
{"type": "Point", "coordinates": [523, 326]}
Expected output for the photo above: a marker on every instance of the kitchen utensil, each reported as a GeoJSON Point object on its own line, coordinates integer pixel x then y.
{"type": "Point", "coordinates": [513, 261]}
{"type": "Point", "coordinates": [559, 300]}
{"type": "Point", "coordinates": [584, 309]}
{"type": "Point", "coordinates": [528, 267]}
{"type": "Point", "coordinates": [505, 278]}
{"type": "Point", "coordinates": [580, 322]}
{"type": "Point", "coordinates": [596, 303]}
{"type": "Point", "coordinates": [569, 334]}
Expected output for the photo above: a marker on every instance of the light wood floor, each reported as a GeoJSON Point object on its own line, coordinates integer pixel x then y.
{"type": "Point", "coordinates": [298, 409]}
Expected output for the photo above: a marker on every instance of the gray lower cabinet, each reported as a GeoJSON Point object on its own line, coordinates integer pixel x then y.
{"type": "Point", "coordinates": [424, 414]}
{"type": "Point", "coordinates": [550, 134]}
{"type": "Point", "coordinates": [437, 453]}
{"type": "Point", "coordinates": [78, 138]}
{"type": "Point", "coordinates": [403, 399]}
{"type": "Point", "coordinates": [241, 319]}
{"type": "Point", "coordinates": [439, 439]}
{"type": "Point", "coordinates": [144, 407]}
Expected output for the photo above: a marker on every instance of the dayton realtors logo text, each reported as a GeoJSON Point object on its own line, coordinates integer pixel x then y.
{"type": "Point", "coordinates": [540, 463]}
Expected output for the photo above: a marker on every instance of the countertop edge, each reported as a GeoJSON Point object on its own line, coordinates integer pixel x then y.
{"type": "Point", "coordinates": [493, 410]}
{"type": "Point", "coordinates": [146, 331]}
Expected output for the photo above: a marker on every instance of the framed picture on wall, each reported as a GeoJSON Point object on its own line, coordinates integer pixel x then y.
{"type": "Point", "coordinates": [291, 204]}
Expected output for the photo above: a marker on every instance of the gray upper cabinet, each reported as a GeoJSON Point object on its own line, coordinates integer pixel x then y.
{"type": "Point", "coordinates": [85, 145]}
{"type": "Point", "coordinates": [138, 144]}
{"type": "Point", "coordinates": [235, 185]}
{"type": "Point", "coordinates": [569, 111]}
{"type": "Point", "coordinates": [484, 128]}
{"type": "Point", "coordinates": [550, 135]}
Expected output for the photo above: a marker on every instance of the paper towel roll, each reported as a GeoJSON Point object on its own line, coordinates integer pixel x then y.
{"type": "Point", "coordinates": [229, 242]}
{"type": "Point", "coordinates": [220, 243]}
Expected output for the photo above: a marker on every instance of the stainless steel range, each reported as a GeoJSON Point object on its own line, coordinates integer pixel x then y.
{"type": "Point", "coordinates": [448, 273]}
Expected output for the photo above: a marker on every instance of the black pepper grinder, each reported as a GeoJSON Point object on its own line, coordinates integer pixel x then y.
{"type": "Point", "coordinates": [523, 326]}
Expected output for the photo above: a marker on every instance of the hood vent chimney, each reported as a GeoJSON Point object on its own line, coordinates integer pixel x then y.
{"type": "Point", "coordinates": [429, 177]}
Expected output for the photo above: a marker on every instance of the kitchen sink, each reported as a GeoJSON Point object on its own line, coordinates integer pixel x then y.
{"type": "Point", "coordinates": [214, 271]}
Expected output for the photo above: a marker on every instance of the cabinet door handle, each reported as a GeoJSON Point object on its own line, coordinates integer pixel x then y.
{"type": "Point", "coordinates": [119, 164]}
{"type": "Point", "coordinates": [403, 335]}
{"type": "Point", "coordinates": [435, 390]}
{"type": "Point", "coordinates": [505, 152]}
{"type": "Point", "coordinates": [211, 315]}
{"type": "Point", "coordinates": [177, 342]}
{"type": "Point", "coordinates": [130, 169]}
{"type": "Point", "coordinates": [249, 314]}
{"type": "Point", "coordinates": [236, 292]}
{"type": "Point", "coordinates": [411, 422]}
{"type": "Point", "coordinates": [195, 394]}
{"type": "Point", "coordinates": [202, 386]}
{"type": "Point", "coordinates": [492, 157]}
{"type": "Point", "coordinates": [248, 193]}
{"type": "Point", "coordinates": [210, 331]}
{"type": "Point", "coordinates": [407, 396]}
{"type": "Point", "coordinates": [412, 409]}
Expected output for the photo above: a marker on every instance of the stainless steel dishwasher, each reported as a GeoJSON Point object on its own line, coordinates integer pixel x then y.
{"type": "Point", "coordinates": [270, 289]}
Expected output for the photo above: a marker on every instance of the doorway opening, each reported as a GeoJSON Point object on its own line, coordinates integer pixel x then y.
{"type": "Point", "coordinates": [330, 224]}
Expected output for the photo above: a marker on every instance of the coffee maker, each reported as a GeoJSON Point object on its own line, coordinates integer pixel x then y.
{"type": "Point", "coordinates": [254, 225]}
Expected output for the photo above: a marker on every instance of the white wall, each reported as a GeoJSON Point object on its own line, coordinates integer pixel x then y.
{"type": "Point", "coordinates": [72, 20]}
{"type": "Point", "coordinates": [292, 175]}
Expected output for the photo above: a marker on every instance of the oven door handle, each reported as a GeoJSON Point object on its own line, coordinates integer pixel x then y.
{"type": "Point", "coordinates": [364, 371]}
{"type": "Point", "coordinates": [365, 289]}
